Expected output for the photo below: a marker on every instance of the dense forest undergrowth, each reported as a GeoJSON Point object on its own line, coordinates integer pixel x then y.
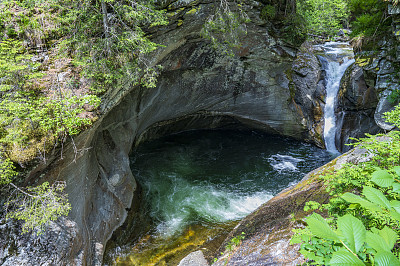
{"type": "Point", "coordinates": [58, 58]}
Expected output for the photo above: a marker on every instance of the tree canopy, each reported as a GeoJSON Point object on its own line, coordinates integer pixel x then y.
{"type": "Point", "coordinates": [324, 17]}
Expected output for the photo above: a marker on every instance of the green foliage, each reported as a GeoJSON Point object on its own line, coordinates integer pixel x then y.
{"type": "Point", "coordinates": [61, 115]}
{"type": "Point", "coordinates": [16, 69]}
{"type": "Point", "coordinates": [294, 30]}
{"type": "Point", "coordinates": [312, 205]}
{"type": "Point", "coordinates": [26, 115]}
{"type": "Point", "coordinates": [348, 243]}
{"type": "Point", "coordinates": [7, 171]}
{"type": "Point", "coordinates": [109, 39]}
{"type": "Point", "coordinates": [226, 27]}
{"type": "Point", "coordinates": [268, 12]}
{"type": "Point", "coordinates": [234, 242]}
{"type": "Point", "coordinates": [323, 17]}
{"type": "Point", "coordinates": [364, 210]}
{"type": "Point", "coordinates": [394, 96]}
{"type": "Point", "coordinates": [38, 205]}
{"type": "Point", "coordinates": [369, 20]}
{"type": "Point", "coordinates": [394, 116]}
{"type": "Point", "coordinates": [34, 21]}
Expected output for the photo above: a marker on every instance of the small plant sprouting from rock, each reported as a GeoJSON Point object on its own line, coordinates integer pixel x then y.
{"type": "Point", "coordinates": [232, 244]}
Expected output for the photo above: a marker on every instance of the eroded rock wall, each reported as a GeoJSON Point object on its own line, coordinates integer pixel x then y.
{"type": "Point", "coordinates": [381, 68]}
{"type": "Point", "coordinates": [261, 87]}
{"type": "Point", "coordinates": [355, 108]}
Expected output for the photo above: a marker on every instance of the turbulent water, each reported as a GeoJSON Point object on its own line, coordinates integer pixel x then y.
{"type": "Point", "coordinates": [337, 58]}
{"type": "Point", "coordinates": [197, 183]}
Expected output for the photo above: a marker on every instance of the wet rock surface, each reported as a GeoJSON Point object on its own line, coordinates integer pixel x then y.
{"type": "Point", "coordinates": [355, 108]}
{"type": "Point", "coordinates": [194, 259]}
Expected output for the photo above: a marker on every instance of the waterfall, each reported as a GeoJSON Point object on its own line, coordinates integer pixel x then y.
{"type": "Point", "coordinates": [336, 59]}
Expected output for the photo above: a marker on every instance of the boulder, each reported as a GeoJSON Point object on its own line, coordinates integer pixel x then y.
{"type": "Point", "coordinates": [194, 259]}
{"type": "Point", "coordinates": [307, 91]}
{"type": "Point", "coordinates": [355, 108]}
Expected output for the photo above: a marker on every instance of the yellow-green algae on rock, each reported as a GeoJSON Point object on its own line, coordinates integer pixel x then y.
{"type": "Point", "coordinates": [152, 250]}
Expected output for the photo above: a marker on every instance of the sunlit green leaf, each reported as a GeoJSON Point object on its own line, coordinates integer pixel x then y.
{"type": "Point", "coordinates": [383, 258]}
{"type": "Point", "coordinates": [382, 178]}
{"type": "Point", "coordinates": [344, 258]}
{"type": "Point", "coordinates": [376, 196]}
{"type": "Point", "coordinates": [353, 231]}
{"type": "Point", "coordinates": [320, 228]}
{"type": "Point", "coordinates": [352, 198]}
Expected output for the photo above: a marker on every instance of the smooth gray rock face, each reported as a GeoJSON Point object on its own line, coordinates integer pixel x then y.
{"type": "Point", "coordinates": [355, 108]}
{"type": "Point", "coordinates": [198, 88]}
{"type": "Point", "coordinates": [194, 259]}
{"type": "Point", "coordinates": [308, 93]}
{"type": "Point", "coordinates": [383, 106]}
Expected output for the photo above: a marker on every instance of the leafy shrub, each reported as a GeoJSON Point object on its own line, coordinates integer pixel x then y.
{"type": "Point", "coordinates": [225, 27]}
{"type": "Point", "coordinates": [294, 30]}
{"type": "Point", "coordinates": [394, 96]}
{"type": "Point", "coordinates": [369, 20]}
{"type": "Point", "coordinates": [364, 211]}
{"type": "Point", "coordinates": [36, 206]}
{"type": "Point", "coordinates": [268, 12]}
{"type": "Point", "coordinates": [323, 17]}
{"type": "Point", "coordinates": [394, 116]}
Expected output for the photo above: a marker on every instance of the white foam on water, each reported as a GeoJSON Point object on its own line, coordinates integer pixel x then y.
{"type": "Point", "coordinates": [284, 162]}
{"type": "Point", "coordinates": [209, 202]}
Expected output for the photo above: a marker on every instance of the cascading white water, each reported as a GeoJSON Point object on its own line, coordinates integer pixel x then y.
{"type": "Point", "coordinates": [336, 59]}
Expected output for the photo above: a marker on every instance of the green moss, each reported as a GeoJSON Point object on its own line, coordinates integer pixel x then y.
{"type": "Point", "coordinates": [192, 11]}
{"type": "Point", "coordinates": [362, 61]}
{"type": "Point", "coordinates": [180, 22]}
